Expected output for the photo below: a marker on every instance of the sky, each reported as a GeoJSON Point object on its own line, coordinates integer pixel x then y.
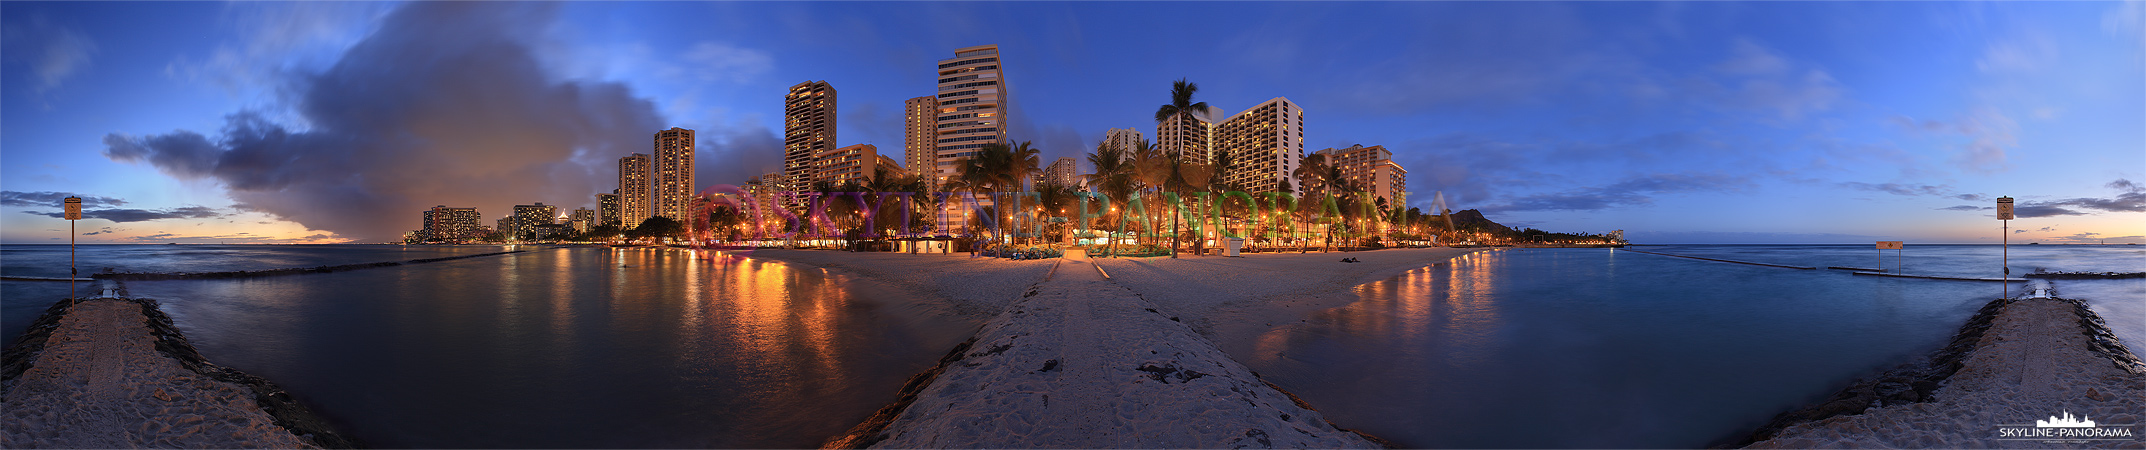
{"type": "Point", "coordinates": [1677, 122]}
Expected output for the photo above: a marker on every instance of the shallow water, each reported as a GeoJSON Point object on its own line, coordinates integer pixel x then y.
{"type": "Point", "coordinates": [571, 348]}
{"type": "Point", "coordinates": [1606, 349]}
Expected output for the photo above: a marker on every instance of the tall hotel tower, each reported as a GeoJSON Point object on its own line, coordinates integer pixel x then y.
{"type": "Point", "coordinates": [972, 100]}
{"type": "Point", "coordinates": [671, 181]}
{"type": "Point", "coordinates": [808, 129]}
{"type": "Point", "coordinates": [633, 190]}
{"type": "Point", "coordinates": [1267, 143]}
{"type": "Point", "coordinates": [1128, 140]}
{"type": "Point", "coordinates": [1191, 135]}
{"type": "Point", "coordinates": [920, 136]}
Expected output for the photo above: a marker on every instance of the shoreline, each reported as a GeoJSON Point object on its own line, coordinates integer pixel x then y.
{"type": "Point", "coordinates": [62, 357]}
{"type": "Point", "coordinates": [1184, 294]}
{"type": "Point", "coordinates": [2019, 355]}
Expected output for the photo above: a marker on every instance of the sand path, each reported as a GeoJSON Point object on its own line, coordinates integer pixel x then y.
{"type": "Point", "coordinates": [2032, 363]}
{"type": "Point", "coordinates": [100, 383]}
{"type": "Point", "coordinates": [1081, 362]}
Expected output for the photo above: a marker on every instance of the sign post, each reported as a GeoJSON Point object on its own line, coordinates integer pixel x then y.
{"type": "Point", "coordinates": [1897, 247]}
{"type": "Point", "coordinates": [2004, 214]}
{"type": "Point", "coordinates": [74, 213]}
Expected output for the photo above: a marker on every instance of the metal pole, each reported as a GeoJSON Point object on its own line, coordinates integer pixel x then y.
{"type": "Point", "coordinates": [2007, 258]}
{"type": "Point", "coordinates": [71, 272]}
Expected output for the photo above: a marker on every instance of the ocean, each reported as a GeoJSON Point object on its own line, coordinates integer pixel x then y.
{"type": "Point", "coordinates": [596, 348]}
{"type": "Point", "coordinates": [1601, 348]}
{"type": "Point", "coordinates": [554, 348]}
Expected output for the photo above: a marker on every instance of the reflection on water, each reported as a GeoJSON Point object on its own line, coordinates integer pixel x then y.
{"type": "Point", "coordinates": [1589, 348]}
{"type": "Point", "coordinates": [576, 348]}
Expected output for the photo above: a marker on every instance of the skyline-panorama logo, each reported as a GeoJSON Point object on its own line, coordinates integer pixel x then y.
{"type": "Point", "coordinates": [2065, 428]}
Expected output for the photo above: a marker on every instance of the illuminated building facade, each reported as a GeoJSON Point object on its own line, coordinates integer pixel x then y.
{"type": "Point", "coordinates": [607, 209]}
{"type": "Point", "coordinates": [633, 205]}
{"type": "Point", "coordinates": [808, 131]}
{"type": "Point", "coordinates": [452, 224]}
{"type": "Point", "coordinates": [972, 107]}
{"type": "Point", "coordinates": [1267, 142]}
{"type": "Point", "coordinates": [920, 135]}
{"type": "Point", "coordinates": [1371, 169]}
{"type": "Point", "coordinates": [671, 179]}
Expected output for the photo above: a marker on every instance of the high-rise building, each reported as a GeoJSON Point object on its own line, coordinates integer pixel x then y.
{"type": "Point", "coordinates": [446, 224]}
{"type": "Point", "coordinates": [1187, 134]}
{"type": "Point", "coordinates": [857, 162]}
{"type": "Point", "coordinates": [528, 217]}
{"type": "Point", "coordinates": [633, 204]}
{"type": "Point", "coordinates": [581, 219]}
{"type": "Point", "coordinates": [972, 107]}
{"type": "Point", "coordinates": [920, 136]}
{"type": "Point", "coordinates": [607, 209]}
{"type": "Point", "coordinates": [1371, 169]}
{"type": "Point", "coordinates": [1126, 139]}
{"type": "Point", "coordinates": [808, 130]}
{"type": "Point", "coordinates": [1063, 172]}
{"type": "Point", "coordinates": [670, 181]}
{"type": "Point", "coordinates": [1267, 143]}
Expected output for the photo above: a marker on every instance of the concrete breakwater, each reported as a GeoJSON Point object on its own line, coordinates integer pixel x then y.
{"type": "Point", "coordinates": [279, 272]}
{"type": "Point", "coordinates": [1079, 362]}
{"type": "Point", "coordinates": [115, 372]}
{"type": "Point", "coordinates": [2013, 362]}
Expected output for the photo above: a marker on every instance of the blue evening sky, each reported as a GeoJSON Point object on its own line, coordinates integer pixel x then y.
{"type": "Point", "coordinates": [1777, 122]}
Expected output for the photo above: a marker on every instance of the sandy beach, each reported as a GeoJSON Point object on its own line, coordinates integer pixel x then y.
{"type": "Point", "coordinates": [100, 382]}
{"type": "Point", "coordinates": [2038, 359]}
{"type": "Point", "coordinates": [1069, 358]}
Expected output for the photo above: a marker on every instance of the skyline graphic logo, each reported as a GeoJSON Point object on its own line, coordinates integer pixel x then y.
{"type": "Point", "coordinates": [2065, 428]}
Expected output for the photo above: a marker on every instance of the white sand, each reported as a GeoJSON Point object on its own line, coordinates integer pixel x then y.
{"type": "Point", "coordinates": [1085, 363]}
{"type": "Point", "coordinates": [1234, 300]}
{"type": "Point", "coordinates": [2032, 363]}
{"type": "Point", "coordinates": [99, 383]}
{"type": "Point", "coordinates": [976, 288]}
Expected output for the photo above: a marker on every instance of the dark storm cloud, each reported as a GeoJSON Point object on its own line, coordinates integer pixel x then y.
{"type": "Point", "coordinates": [735, 153]}
{"type": "Point", "coordinates": [446, 103]}
{"type": "Point", "coordinates": [1630, 192]}
{"type": "Point", "coordinates": [124, 215]}
{"type": "Point", "coordinates": [54, 199]}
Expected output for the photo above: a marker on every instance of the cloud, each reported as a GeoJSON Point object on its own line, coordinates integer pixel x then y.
{"type": "Point", "coordinates": [1900, 189]}
{"type": "Point", "coordinates": [1749, 58]}
{"type": "Point", "coordinates": [54, 52]}
{"type": "Point", "coordinates": [2131, 197]}
{"type": "Point", "coordinates": [730, 153]}
{"type": "Point", "coordinates": [124, 215]}
{"type": "Point", "coordinates": [278, 41]}
{"type": "Point", "coordinates": [445, 104]}
{"type": "Point", "coordinates": [2026, 53]}
{"type": "Point", "coordinates": [1630, 192]}
{"type": "Point", "coordinates": [721, 62]}
{"type": "Point", "coordinates": [105, 230]}
{"type": "Point", "coordinates": [54, 199]}
{"type": "Point", "coordinates": [1968, 208]}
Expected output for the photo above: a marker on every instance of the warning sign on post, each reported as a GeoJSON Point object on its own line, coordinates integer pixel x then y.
{"type": "Point", "coordinates": [74, 208]}
{"type": "Point", "coordinates": [1891, 245]}
{"type": "Point", "coordinates": [2004, 208]}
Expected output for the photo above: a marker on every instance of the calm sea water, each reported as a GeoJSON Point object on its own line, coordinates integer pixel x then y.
{"type": "Point", "coordinates": [1594, 348]}
{"type": "Point", "coordinates": [655, 348]}
{"type": "Point", "coordinates": [558, 348]}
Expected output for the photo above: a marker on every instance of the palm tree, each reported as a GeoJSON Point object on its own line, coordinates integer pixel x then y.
{"type": "Point", "coordinates": [1152, 168]}
{"type": "Point", "coordinates": [1311, 176]}
{"type": "Point", "coordinates": [1113, 175]}
{"type": "Point", "coordinates": [1180, 102]}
